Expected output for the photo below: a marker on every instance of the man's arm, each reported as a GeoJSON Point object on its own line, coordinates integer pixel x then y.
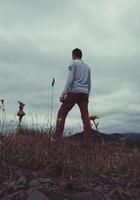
{"type": "Point", "coordinates": [89, 84]}
{"type": "Point", "coordinates": [68, 82]}
{"type": "Point", "coordinates": [69, 79]}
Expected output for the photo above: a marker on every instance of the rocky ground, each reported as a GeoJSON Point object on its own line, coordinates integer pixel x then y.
{"type": "Point", "coordinates": [37, 168]}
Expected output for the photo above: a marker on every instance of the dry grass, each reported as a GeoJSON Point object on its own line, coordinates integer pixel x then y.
{"type": "Point", "coordinates": [113, 170]}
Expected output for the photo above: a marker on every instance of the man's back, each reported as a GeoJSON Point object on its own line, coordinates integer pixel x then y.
{"type": "Point", "coordinates": [81, 80]}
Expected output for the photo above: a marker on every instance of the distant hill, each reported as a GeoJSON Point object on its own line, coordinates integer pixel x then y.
{"type": "Point", "coordinates": [131, 139]}
{"type": "Point", "coordinates": [132, 136]}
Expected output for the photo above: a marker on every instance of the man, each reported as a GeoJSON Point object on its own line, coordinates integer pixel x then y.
{"type": "Point", "coordinates": [77, 90]}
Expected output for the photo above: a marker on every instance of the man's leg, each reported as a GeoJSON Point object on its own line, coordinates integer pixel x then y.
{"type": "Point", "coordinates": [83, 105]}
{"type": "Point", "coordinates": [66, 106]}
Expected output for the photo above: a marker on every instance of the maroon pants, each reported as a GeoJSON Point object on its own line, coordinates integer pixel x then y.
{"type": "Point", "coordinates": [71, 99]}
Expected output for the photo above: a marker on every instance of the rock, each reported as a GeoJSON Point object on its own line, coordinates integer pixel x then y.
{"type": "Point", "coordinates": [37, 183]}
{"type": "Point", "coordinates": [34, 183]}
{"type": "Point", "coordinates": [15, 195]}
{"type": "Point", "coordinates": [101, 195]}
{"type": "Point", "coordinates": [45, 180]}
{"type": "Point", "coordinates": [21, 182]}
{"type": "Point", "coordinates": [90, 196]}
{"type": "Point", "coordinates": [83, 196]}
{"type": "Point", "coordinates": [37, 195]}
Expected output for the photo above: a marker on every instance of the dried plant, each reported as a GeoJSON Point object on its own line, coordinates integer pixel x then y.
{"type": "Point", "coordinates": [51, 108]}
{"type": "Point", "coordinates": [3, 115]}
{"type": "Point", "coordinates": [93, 118]}
{"type": "Point", "coordinates": [20, 113]}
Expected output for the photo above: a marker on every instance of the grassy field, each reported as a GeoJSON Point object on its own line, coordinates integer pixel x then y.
{"type": "Point", "coordinates": [67, 169]}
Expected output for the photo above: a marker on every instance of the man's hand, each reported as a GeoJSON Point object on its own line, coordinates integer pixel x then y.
{"type": "Point", "coordinates": [62, 98]}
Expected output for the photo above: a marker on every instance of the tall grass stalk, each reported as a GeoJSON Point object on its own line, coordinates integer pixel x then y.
{"type": "Point", "coordinates": [52, 98]}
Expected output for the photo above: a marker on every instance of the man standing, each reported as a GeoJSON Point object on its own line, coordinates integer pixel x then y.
{"type": "Point", "coordinates": [77, 90]}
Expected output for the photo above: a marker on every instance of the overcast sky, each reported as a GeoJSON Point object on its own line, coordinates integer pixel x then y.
{"type": "Point", "coordinates": [36, 40]}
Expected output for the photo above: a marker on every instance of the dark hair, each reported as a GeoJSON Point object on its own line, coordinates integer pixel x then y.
{"type": "Point", "coordinates": [77, 52]}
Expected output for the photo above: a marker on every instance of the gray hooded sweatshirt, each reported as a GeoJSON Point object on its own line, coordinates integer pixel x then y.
{"type": "Point", "coordinates": [79, 78]}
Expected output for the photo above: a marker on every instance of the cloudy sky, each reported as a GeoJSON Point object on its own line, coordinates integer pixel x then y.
{"type": "Point", "coordinates": [36, 40]}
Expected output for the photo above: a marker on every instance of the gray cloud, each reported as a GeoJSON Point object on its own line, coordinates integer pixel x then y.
{"type": "Point", "coordinates": [36, 40]}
